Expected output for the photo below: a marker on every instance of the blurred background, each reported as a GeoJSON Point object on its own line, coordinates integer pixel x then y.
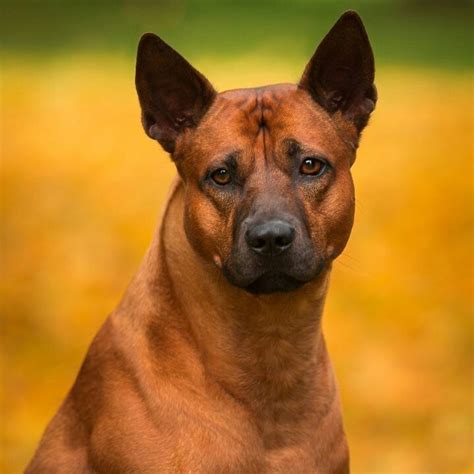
{"type": "Point", "coordinates": [82, 188]}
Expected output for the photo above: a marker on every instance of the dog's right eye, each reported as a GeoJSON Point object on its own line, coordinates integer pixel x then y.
{"type": "Point", "coordinates": [312, 166]}
{"type": "Point", "coordinates": [221, 176]}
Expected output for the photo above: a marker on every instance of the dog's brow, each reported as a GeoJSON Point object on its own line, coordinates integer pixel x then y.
{"type": "Point", "coordinates": [231, 160]}
{"type": "Point", "coordinates": [292, 146]}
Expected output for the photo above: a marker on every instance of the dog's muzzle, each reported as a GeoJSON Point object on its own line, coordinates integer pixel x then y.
{"type": "Point", "coordinates": [271, 255]}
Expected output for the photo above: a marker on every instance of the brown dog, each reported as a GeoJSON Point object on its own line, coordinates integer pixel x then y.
{"type": "Point", "coordinates": [215, 361]}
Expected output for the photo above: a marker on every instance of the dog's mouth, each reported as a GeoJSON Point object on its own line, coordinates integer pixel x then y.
{"type": "Point", "coordinates": [283, 273]}
{"type": "Point", "coordinates": [273, 282]}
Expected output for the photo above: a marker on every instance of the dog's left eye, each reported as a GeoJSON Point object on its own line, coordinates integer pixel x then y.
{"type": "Point", "coordinates": [221, 176]}
{"type": "Point", "coordinates": [312, 166]}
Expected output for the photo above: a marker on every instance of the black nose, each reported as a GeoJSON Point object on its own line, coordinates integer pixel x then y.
{"type": "Point", "coordinates": [270, 238]}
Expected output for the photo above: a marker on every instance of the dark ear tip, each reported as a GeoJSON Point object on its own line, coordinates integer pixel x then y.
{"type": "Point", "coordinates": [149, 41]}
{"type": "Point", "coordinates": [148, 38]}
{"type": "Point", "coordinates": [351, 17]}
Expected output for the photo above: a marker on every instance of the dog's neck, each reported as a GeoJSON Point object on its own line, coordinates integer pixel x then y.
{"type": "Point", "coordinates": [267, 351]}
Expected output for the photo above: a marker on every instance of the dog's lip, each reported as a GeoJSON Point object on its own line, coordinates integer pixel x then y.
{"type": "Point", "coordinates": [293, 280]}
{"type": "Point", "coordinates": [273, 282]}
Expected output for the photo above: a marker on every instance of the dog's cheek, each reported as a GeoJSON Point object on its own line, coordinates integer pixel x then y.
{"type": "Point", "coordinates": [329, 216]}
{"type": "Point", "coordinates": [205, 228]}
{"type": "Point", "coordinates": [337, 212]}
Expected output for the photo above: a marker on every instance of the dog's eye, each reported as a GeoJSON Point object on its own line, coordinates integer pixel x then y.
{"type": "Point", "coordinates": [312, 166]}
{"type": "Point", "coordinates": [221, 176]}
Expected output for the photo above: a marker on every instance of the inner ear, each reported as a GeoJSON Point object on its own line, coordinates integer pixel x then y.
{"type": "Point", "coordinates": [340, 75]}
{"type": "Point", "coordinates": [173, 95]}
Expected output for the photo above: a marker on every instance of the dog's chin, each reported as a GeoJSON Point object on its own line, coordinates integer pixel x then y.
{"type": "Point", "coordinates": [268, 282]}
{"type": "Point", "coordinates": [273, 280]}
{"type": "Point", "coordinates": [273, 283]}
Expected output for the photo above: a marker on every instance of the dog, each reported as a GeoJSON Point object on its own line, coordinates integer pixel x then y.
{"type": "Point", "coordinates": [215, 361]}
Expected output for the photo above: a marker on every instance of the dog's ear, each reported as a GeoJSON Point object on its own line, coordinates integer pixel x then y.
{"type": "Point", "coordinates": [340, 75]}
{"type": "Point", "coordinates": [173, 95]}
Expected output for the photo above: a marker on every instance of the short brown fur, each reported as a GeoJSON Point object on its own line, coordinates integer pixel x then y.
{"type": "Point", "coordinates": [192, 373]}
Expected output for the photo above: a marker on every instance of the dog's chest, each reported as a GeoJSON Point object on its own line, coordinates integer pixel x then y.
{"type": "Point", "coordinates": [190, 434]}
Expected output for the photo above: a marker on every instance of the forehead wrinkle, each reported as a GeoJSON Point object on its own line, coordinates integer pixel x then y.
{"type": "Point", "coordinates": [273, 101]}
{"type": "Point", "coordinates": [257, 117]}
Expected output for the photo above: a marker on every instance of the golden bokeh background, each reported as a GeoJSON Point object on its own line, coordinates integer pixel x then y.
{"type": "Point", "coordinates": [82, 188]}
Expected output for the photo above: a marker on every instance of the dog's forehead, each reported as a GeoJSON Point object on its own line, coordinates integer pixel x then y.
{"type": "Point", "coordinates": [238, 119]}
{"type": "Point", "coordinates": [279, 108]}
{"type": "Point", "coordinates": [253, 97]}
{"type": "Point", "coordinates": [258, 105]}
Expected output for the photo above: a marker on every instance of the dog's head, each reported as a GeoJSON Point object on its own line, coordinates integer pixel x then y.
{"type": "Point", "coordinates": [269, 194]}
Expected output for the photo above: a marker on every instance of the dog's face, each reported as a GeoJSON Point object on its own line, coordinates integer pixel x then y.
{"type": "Point", "coordinates": [269, 194]}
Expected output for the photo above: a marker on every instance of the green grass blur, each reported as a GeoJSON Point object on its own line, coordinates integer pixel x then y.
{"type": "Point", "coordinates": [82, 188]}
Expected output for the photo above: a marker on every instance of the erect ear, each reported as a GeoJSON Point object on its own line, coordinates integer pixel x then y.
{"type": "Point", "coordinates": [340, 75]}
{"type": "Point", "coordinates": [173, 95]}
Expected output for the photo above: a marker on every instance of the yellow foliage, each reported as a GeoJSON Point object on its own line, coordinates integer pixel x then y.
{"type": "Point", "coordinates": [82, 190]}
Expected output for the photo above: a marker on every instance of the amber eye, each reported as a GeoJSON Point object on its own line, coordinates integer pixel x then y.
{"type": "Point", "coordinates": [312, 166]}
{"type": "Point", "coordinates": [221, 176]}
